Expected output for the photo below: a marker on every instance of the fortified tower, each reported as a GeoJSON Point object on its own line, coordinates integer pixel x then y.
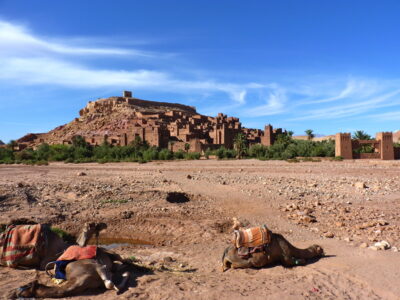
{"type": "Point", "coordinates": [343, 146]}
{"type": "Point", "coordinates": [386, 145]}
{"type": "Point", "coordinates": [268, 138]}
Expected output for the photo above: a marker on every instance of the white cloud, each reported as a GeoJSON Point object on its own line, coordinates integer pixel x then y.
{"type": "Point", "coordinates": [275, 104]}
{"type": "Point", "coordinates": [16, 39]}
{"type": "Point", "coordinates": [352, 108]}
{"type": "Point", "coordinates": [27, 59]}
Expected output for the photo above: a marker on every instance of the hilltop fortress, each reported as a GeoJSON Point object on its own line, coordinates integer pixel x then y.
{"type": "Point", "coordinates": [119, 120]}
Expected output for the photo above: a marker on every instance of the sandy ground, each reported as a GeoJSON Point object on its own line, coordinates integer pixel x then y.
{"type": "Point", "coordinates": [183, 209]}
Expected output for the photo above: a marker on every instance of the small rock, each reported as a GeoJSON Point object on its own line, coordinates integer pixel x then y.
{"type": "Point", "coordinates": [373, 248]}
{"type": "Point", "coordinates": [340, 224]}
{"type": "Point", "coordinates": [168, 259]}
{"type": "Point", "coordinates": [382, 245]}
{"type": "Point", "coordinates": [81, 174]}
{"type": "Point", "coordinates": [329, 235]}
{"type": "Point", "coordinates": [360, 185]}
{"type": "Point", "coordinates": [189, 176]}
{"type": "Point", "coordinates": [126, 214]}
{"type": "Point", "coordinates": [363, 245]}
{"type": "Point", "coordinates": [394, 249]}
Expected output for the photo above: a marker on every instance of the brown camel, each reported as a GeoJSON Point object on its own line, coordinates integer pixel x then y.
{"type": "Point", "coordinates": [81, 275]}
{"type": "Point", "coordinates": [54, 245]}
{"type": "Point", "coordinates": [279, 250]}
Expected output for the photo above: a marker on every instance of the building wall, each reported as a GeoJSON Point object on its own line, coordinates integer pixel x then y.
{"type": "Point", "coordinates": [343, 146]}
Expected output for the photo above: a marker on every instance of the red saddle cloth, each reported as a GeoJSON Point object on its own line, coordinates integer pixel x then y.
{"type": "Point", "coordinates": [252, 237]}
{"type": "Point", "coordinates": [19, 242]}
{"type": "Point", "coordinates": [78, 252]}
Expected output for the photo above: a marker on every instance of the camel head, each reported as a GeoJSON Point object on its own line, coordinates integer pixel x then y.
{"type": "Point", "coordinates": [318, 250]}
{"type": "Point", "coordinates": [89, 230]}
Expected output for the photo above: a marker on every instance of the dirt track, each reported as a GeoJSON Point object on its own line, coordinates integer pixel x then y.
{"type": "Point", "coordinates": [184, 210]}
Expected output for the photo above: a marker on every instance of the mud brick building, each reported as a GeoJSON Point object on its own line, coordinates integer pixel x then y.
{"type": "Point", "coordinates": [120, 120]}
{"type": "Point", "coordinates": [382, 145]}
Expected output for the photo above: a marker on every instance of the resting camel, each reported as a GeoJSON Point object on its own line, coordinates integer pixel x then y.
{"type": "Point", "coordinates": [279, 250]}
{"type": "Point", "coordinates": [81, 275]}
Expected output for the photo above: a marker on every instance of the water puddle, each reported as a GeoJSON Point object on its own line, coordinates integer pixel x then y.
{"type": "Point", "coordinates": [111, 243]}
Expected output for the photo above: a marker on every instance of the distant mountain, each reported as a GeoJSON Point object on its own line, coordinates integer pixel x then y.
{"type": "Point", "coordinates": [1, 142]}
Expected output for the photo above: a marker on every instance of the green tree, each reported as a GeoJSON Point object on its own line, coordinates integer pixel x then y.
{"type": "Point", "coordinates": [187, 147]}
{"type": "Point", "coordinates": [310, 134]}
{"type": "Point", "coordinates": [79, 141]}
{"type": "Point", "coordinates": [240, 144]}
{"type": "Point", "coordinates": [290, 133]}
{"type": "Point", "coordinates": [12, 144]}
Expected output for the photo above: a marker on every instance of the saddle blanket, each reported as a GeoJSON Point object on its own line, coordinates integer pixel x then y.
{"type": "Point", "coordinates": [252, 237]}
{"type": "Point", "coordinates": [19, 242]}
{"type": "Point", "coordinates": [78, 252]}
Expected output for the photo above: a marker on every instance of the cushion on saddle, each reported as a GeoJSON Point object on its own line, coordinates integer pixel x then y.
{"type": "Point", "coordinates": [19, 242]}
{"type": "Point", "coordinates": [252, 237]}
{"type": "Point", "coordinates": [60, 266]}
{"type": "Point", "coordinates": [78, 252]}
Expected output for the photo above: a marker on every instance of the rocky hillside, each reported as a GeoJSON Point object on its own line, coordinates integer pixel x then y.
{"type": "Point", "coordinates": [107, 116]}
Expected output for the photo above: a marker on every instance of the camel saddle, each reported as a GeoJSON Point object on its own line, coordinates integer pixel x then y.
{"type": "Point", "coordinates": [19, 242]}
{"type": "Point", "coordinates": [252, 237]}
{"type": "Point", "coordinates": [77, 252]}
{"type": "Point", "coordinates": [251, 240]}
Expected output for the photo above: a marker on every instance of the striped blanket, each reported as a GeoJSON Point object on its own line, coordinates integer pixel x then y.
{"type": "Point", "coordinates": [19, 242]}
{"type": "Point", "coordinates": [252, 237]}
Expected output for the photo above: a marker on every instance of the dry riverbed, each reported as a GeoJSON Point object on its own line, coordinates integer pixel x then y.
{"type": "Point", "coordinates": [179, 214]}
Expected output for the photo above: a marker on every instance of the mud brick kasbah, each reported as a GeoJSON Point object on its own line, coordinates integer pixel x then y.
{"type": "Point", "coordinates": [120, 120]}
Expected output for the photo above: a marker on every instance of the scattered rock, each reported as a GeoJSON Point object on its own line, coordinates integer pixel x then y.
{"type": "Point", "coordinates": [81, 174]}
{"type": "Point", "coordinates": [126, 214]}
{"type": "Point", "coordinates": [382, 245]}
{"type": "Point", "coordinates": [189, 176]}
{"type": "Point", "coordinates": [360, 185]}
{"type": "Point", "coordinates": [364, 245]}
{"type": "Point", "coordinates": [168, 259]}
{"type": "Point", "coordinates": [329, 235]}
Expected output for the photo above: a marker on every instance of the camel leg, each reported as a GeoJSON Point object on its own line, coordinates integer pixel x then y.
{"type": "Point", "coordinates": [70, 288]}
{"type": "Point", "coordinates": [125, 278]}
{"type": "Point", "coordinates": [106, 277]}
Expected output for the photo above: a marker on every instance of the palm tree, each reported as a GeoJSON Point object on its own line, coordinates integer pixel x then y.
{"type": "Point", "coordinates": [290, 133]}
{"type": "Point", "coordinates": [310, 134]}
{"type": "Point", "coordinates": [361, 135]}
{"type": "Point", "coordinates": [240, 145]}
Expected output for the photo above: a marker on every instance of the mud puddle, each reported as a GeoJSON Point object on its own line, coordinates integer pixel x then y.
{"type": "Point", "coordinates": [111, 242]}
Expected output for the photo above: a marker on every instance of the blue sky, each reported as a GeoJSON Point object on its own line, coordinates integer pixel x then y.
{"type": "Point", "coordinates": [326, 65]}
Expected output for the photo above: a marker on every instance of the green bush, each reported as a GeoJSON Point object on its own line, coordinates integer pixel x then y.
{"type": "Point", "coordinates": [180, 154]}
{"type": "Point", "coordinates": [192, 155]}
{"type": "Point", "coordinates": [165, 154]}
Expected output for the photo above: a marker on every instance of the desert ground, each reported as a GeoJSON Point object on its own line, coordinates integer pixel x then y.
{"type": "Point", "coordinates": [175, 217]}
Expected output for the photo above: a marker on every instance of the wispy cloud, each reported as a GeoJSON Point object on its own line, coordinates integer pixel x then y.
{"type": "Point", "coordinates": [17, 40]}
{"type": "Point", "coordinates": [274, 104]}
{"type": "Point", "coordinates": [27, 59]}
